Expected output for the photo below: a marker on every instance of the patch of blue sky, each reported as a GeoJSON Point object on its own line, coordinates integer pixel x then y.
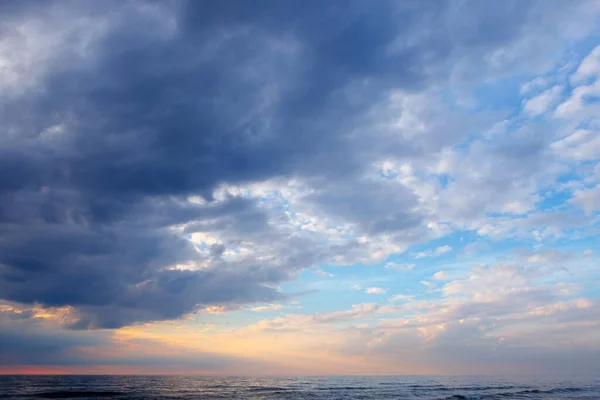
{"type": "Point", "coordinates": [503, 250]}
{"type": "Point", "coordinates": [500, 94]}
{"type": "Point", "coordinates": [586, 123]}
{"type": "Point", "coordinates": [202, 247]}
{"type": "Point", "coordinates": [444, 180]}
{"type": "Point", "coordinates": [505, 94]}
{"type": "Point", "coordinates": [454, 240]}
{"type": "Point", "coordinates": [574, 174]}
{"type": "Point", "coordinates": [576, 51]}
{"type": "Point", "coordinates": [324, 294]}
{"type": "Point", "coordinates": [274, 201]}
{"type": "Point", "coordinates": [589, 99]}
{"type": "Point", "coordinates": [590, 288]}
{"type": "Point", "coordinates": [583, 238]}
{"type": "Point", "coordinates": [590, 243]}
{"type": "Point", "coordinates": [226, 320]}
{"type": "Point", "coordinates": [349, 286]}
{"type": "Point", "coordinates": [555, 199]}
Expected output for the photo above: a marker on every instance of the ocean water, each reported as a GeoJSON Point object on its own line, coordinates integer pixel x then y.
{"type": "Point", "coordinates": [266, 388]}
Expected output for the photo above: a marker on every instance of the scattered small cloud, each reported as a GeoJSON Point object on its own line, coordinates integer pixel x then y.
{"type": "Point", "coordinates": [440, 276]}
{"type": "Point", "coordinates": [587, 199]}
{"type": "Point", "coordinates": [535, 84]}
{"type": "Point", "coordinates": [537, 258]}
{"type": "Point", "coordinates": [319, 271]}
{"type": "Point", "coordinates": [589, 67]}
{"type": "Point", "coordinates": [399, 267]}
{"type": "Point", "coordinates": [400, 297]}
{"type": "Point", "coordinates": [428, 284]}
{"type": "Point", "coordinates": [541, 103]}
{"type": "Point", "coordinates": [476, 247]}
{"type": "Point", "coordinates": [443, 249]}
{"type": "Point", "coordinates": [270, 307]}
{"type": "Point", "coordinates": [375, 290]}
{"type": "Point", "coordinates": [220, 309]}
{"type": "Point", "coordinates": [437, 252]}
{"type": "Point", "coordinates": [104, 181]}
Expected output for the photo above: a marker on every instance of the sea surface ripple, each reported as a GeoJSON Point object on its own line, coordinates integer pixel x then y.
{"type": "Point", "coordinates": [292, 388]}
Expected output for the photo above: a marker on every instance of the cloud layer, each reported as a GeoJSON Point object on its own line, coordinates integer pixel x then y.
{"type": "Point", "coordinates": [161, 160]}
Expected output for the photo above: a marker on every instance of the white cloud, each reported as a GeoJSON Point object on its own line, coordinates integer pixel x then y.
{"type": "Point", "coordinates": [581, 145]}
{"type": "Point", "coordinates": [399, 267]}
{"type": "Point", "coordinates": [375, 290]}
{"type": "Point", "coordinates": [319, 271]}
{"type": "Point", "coordinates": [586, 76]}
{"type": "Point", "coordinates": [476, 247]}
{"type": "Point", "coordinates": [443, 249]}
{"type": "Point", "coordinates": [423, 254]}
{"type": "Point", "coordinates": [535, 84]}
{"type": "Point", "coordinates": [499, 312]}
{"type": "Point", "coordinates": [589, 67]}
{"type": "Point", "coordinates": [299, 322]}
{"type": "Point", "coordinates": [432, 179]}
{"type": "Point", "coordinates": [271, 307]}
{"type": "Point", "coordinates": [438, 251]}
{"type": "Point", "coordinates": [541, 103]}
{"type": "Point", "coordinates": [587, 199]}
{"type": "Point", "coordinates": [400, 297]}
{"type": "Point", "coordinates": [428, 284]}
{"type": "Point", "coordinates": [577, 103]}
{"type": "Point", "coordinates": [440, 276]}
{"type": "Point", "coordinates": [537, 258]}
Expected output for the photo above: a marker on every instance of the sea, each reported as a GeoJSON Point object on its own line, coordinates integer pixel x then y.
{"type": "Point", "coordinates": [266, 388]}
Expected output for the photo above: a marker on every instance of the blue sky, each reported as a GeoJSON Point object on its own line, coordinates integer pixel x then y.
{"type": "Point", "coordinates": [300, 187]}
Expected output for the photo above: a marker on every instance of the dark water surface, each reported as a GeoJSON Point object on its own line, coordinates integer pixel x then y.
{"type": "Point", "coordinates": [266, 388]}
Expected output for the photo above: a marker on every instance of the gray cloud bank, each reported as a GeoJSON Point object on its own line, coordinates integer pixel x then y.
{"type": "Point", "coordinates": [115, 113]}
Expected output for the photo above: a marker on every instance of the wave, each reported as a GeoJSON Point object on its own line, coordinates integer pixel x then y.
{"type": "Point", "coordinates": [518, 393]}
{"type": "Point", "coordinates": [72, 394]}
{"type": "Point", "coordinates": [465, 388]}
{"type": "Point", "coordinates": [540, 391]}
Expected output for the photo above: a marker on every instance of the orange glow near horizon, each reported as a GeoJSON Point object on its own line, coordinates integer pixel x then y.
{"type": "Point", "coordinates": [100, 370]}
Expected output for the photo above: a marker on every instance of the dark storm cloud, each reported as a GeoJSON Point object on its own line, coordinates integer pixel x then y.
{"type": "Point", "coordinates": [171, 99]}
{"type": "Point", "coordinates": [363, 203]}
{"type": "Point", "coordinates": [112, 271]}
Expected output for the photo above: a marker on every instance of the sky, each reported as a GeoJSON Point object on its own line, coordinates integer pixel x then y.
{"type": "Point", "coordinates": [300, 187]}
